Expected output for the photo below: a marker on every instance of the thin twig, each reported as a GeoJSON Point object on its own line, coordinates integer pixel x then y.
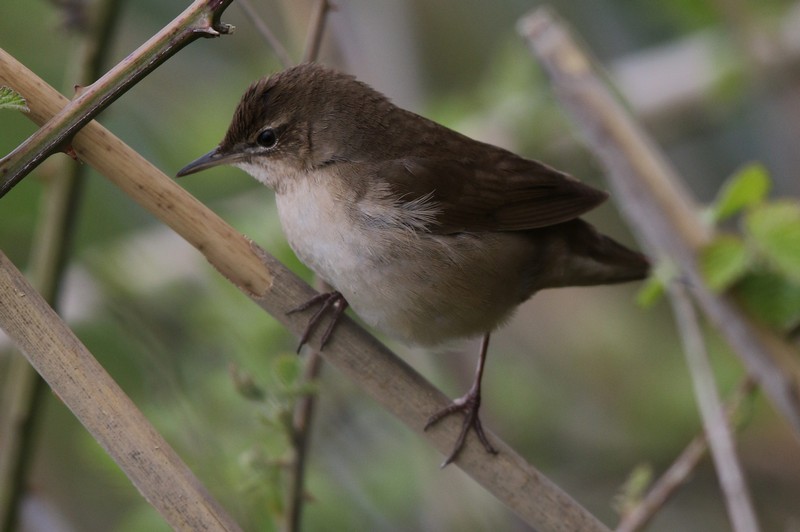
{"type": "Point", "coordinates": [718, 432]}
{"type": "Point", "coordinates": [301, 438]}
{"type": "Point", "coordinates": [300, 435]}
{"type": "Point", "coordinates": [263, 29]}
{"type": "Point", "coordinates": [316, 29]}
{"type": "Point", "coordinates": [25, 391]}
{"type": "Point", "coordinates": [662, 213]}
{"type": "Point", "coordinates": [379, 372]}
{"type": "Point", "coordinates": [201, 19]}
{"type": "Point", "coordinates": [678, 473]}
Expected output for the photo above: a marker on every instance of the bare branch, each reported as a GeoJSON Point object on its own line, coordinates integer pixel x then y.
{"type": "Point", "coordinates": [720, 439]}
{"type": "Point", "coordinates": [661, 212]}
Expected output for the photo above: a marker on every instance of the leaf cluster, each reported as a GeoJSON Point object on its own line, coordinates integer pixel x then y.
{"type": "Point", "coordinates": [760, 263]}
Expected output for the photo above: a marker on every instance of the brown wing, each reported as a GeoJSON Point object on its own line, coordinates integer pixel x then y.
{"type": "Point", "coordinates": [514, 194]}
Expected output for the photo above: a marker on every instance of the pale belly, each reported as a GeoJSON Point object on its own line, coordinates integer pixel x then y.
{"type": "Point", "coordinates": [420, 288]}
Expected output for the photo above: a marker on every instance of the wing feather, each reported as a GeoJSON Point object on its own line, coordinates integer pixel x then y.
{"type": "Point", "coordinates": [515, 194]}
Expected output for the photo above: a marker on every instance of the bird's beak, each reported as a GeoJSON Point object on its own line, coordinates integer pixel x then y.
{"type": "Point", "coordinates": [213, 158]}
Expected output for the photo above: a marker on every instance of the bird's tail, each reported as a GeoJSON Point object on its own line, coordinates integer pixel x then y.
{"type": "Point", "coordinates": [595, 258]}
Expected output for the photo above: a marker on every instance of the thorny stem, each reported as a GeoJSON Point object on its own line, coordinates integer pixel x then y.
{"type": "Point", "coordinates": [201, 19]}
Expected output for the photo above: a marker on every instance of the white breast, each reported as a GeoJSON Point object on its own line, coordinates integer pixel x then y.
{"type": "Point", "coordinates": [368, 265]}
{"type": "Point", "coordinates": [416, 286]}
{"type": "Point", "coordinates": [318, 228]}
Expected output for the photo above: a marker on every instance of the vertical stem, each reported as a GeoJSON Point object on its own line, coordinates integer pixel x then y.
{"type": "Point", "coordinates": [720, 439]}
{"type": "Point", "coordinates": [317, 28]}
{"type": "Point", "coordinates": [300, 435]}
{"type": "Point", "coordinates": [19, 404]}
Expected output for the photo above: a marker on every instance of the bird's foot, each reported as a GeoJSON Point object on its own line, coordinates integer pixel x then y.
{"type": "Point", "coordinates": [327, 300]}
{"type": "Point", "coordinates": [469, 404]}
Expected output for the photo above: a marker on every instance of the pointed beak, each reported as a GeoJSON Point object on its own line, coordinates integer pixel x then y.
{"type": "Point", "coordinates": [213, 158]}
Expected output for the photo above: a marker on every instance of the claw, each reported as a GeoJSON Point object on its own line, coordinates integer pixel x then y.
{"type": "Point", "coordinates": [326, 300]}
{"type": "Point", "coordinates": [469, 404]}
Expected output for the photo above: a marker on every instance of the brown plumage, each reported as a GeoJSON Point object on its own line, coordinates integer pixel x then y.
{"type": "Point", "coordinates": [429, 235]}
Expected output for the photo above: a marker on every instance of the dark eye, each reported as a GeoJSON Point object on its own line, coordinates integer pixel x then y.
{"type": "Point", "coordinates": [267, 138]}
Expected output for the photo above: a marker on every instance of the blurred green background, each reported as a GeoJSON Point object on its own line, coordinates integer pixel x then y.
{"type": "Point", "coordinates": [582, 382]}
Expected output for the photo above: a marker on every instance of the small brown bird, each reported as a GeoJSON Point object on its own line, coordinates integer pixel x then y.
{"type": "Point", "coordinates": [427, 234]}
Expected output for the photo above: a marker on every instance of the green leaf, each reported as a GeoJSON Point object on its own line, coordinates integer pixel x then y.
{"type": "Point", "coordinates": [724, 261]}
{"type": "Point", "coordinates": [11, 99]}
{"type": "Point", "coordinates": [631, 493]}
{"type": "Point", "coordinates": [771, 298]}
{"type": "Point", "coordinates": [775, 232]}
{"type": "Point", "coordinates": [746, 188]}
{"type": "Point", "coordinates": [246, 385]}
{"type": "Point", "coordinates": [650, 293]}
{"type": "Point", "coordinates": [654, 286]}
{"type": "Point", "coordinates": [287, 369]}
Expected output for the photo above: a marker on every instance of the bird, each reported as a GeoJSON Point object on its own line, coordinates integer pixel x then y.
{"type": "Point", "coordinates": [428, 235]}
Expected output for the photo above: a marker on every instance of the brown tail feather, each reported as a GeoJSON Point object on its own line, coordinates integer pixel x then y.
{"type": "Point", "coordinates": [595, 259]}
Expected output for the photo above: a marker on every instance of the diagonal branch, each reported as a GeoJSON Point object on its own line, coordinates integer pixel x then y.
{"type": "Point", "coordinates": [386, 378]}
{"type": "Point", "coordinates": [201, 19]}
{"type": "Point", "coordinates": [104, 409]}
{"type": "Point", "coordinates": [661, 212]}
{"type": "Point", "coordinates": [718, 432]}
{"type": "Point", "coordinates": [263, 29]}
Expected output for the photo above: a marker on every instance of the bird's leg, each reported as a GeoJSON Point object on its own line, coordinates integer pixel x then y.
{"type": "Point", "coordinates": [469, 404]}
{"type": "Point", "coordinates": [325, 300]}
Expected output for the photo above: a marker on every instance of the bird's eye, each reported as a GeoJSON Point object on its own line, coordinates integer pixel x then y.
{"type": "Point", "coordinates": [267, 138]}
